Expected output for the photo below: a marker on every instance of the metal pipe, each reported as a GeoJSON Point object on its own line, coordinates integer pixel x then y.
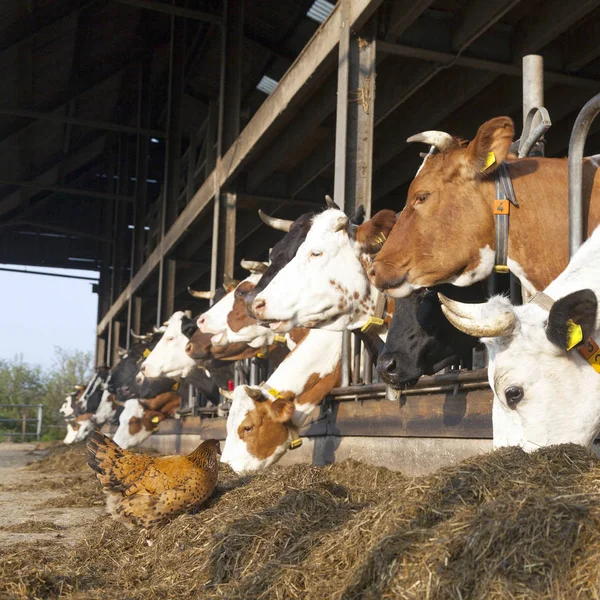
{"type": "Point", "coordinates": [40, 416]}
{"type": "Point", "coordinates": [356, 366]}
{"type": "Point", "coordinates": [174, 10]}
{"type": "Point", "coordinates": [49, 274]}
{"type": "Point", "coordinates": [533, 88]}
{"type": "Point", "coordinates": [576, 146]}
{"type": "Point", "coordinates": [61, 189]}
{"type": "Point", "coordinates": [346, 345]}
{"type": "Point", "coordinates": [376, 391]}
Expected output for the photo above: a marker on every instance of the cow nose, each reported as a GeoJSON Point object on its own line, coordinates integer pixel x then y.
{"type": "Point", "coordinates": [372, 270]}
{"type": "Point", "coordinates": [258, 306]}
{"type": "Point", "coordinates": [189, 348]}
{"type": "Point", "coordinates": [201, 320]}
{"type": "Point", "coordinates": [387, 364]}
{"type": "Point", "coordinates": [139, 378]}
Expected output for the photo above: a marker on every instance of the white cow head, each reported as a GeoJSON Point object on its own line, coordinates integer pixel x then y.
{"type": "Point", "coordinates": [68, 407]}
{"type": "Point", "coordinates": [169, 359]}
{"type": "Point", "coordinates": [325, 285]}
{"type": "Point", "coordinates": [78, 429]}
{"type": "Point", "coordinates": [140, 419]}
{"type": "Point", "coordinates": [543, 394]}
{"type": "Point", "coordinates": [258, 428]}
{"type": "Point", "coordinates": [229, 321]}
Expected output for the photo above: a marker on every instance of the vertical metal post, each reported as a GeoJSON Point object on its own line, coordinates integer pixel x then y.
{"type": "Point", "coordinates": [356, 364]}
{"type": "Point", "coordinates": [533, 91]}
{"type": "Point", "coordinates": [576, 146]}
{"type": "Point", "coordinates": [136, 321]}
{"type": "Point", "coordinates": [109, 346]}
{"type": "Point", "coordinates": [100, 352]}
{"type": "Point", "coordinates": [40, 416]}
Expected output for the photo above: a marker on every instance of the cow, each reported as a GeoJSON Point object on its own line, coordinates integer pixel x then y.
{"type": "Point", "coordinates": [107, 410]}
{"type": "Point", "coordinates": [446, 231]}
{"type": "Point", "coordinates": [69, 406]}
{"type": "Point", "coordinates": [263, 420]}
{"type": "Point", "coordinates": [140, 418]}
{"type": "Point", "coordinates": [325, 284]}
{"type": "Point", "coordinates": [79, 428]}
{"type": "Point", "coordinates": [169, 358]}
{"type": "Point", "coordinates": [544, 357]}
{"type": "Point", "coordinates": [90, 399]}
{"type": "Point", "coordinates": [421, 341]}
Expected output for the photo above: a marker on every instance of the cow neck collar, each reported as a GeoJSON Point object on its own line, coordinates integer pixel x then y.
{"type": "Point", "coordinates": [505, 196]}
{"type": "Point", "coordinates": [588, 348]}
{"type": "Point", "coordinates": [294, 437]}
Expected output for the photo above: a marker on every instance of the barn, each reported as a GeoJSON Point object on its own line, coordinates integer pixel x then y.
{"type": "Point", "coordinates": [140, 138]}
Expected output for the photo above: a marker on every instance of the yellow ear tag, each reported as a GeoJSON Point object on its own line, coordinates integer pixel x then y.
{"type": "Point", "coordinates": [372, 322]}
{"type": "Point", "coordinates": [147, 353]}
{"type": "Point", "coordinates": [574, 334]}
{"type": "Point", "coordinates": [175, 386]}
{"type": "Point", "coordinates": [280, 339]}
{"type": "Point", "coordinates": [261, 355]}
{"type": "Point", "coordinates": [490, 159]}
{"type": "Point", "coordinates": [295, 444]}
{"type": "Point", "coordinates": [275, 393]}
{"type": "Point", "coordinates": [155, 420]}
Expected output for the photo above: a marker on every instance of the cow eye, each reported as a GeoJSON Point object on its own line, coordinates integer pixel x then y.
{"type": "Point", "coordinates": [316, 254]}
{"type": "Point", "coordinates": [169, 339]}
{"type": "Point", "coordinates": [420, 197]}
{"type": "Point", "coordinates": [514, 394]}
{"type": "Point", "coordinates": [248, 428]}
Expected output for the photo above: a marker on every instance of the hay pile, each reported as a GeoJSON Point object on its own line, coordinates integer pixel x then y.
{"type": "Point", "coordinates": [502, 525]}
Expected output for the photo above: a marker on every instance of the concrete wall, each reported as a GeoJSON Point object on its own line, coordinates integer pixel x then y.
{"type": "Point", "coordinates": [413, 456]}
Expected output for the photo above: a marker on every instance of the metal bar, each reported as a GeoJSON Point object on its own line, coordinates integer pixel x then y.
{"type": "Point", "coordinates": [58, 229]}
{"type": "Point", "coordinates": [533, 89]}
{"type": "Point", "coordinates": [64, 190]}
{"type": "Point", "coordinates": [20, 419]}
{"type": "Point", "coordinates": [116, 340]}
{"type": "Point", "coordinates": [480, 64]}
{"type": "Point", "coordinates": [188, 13]}
{"type": "Point", "coordinates": [346, 371]}
{"type": "Point", "coordinates": [37, 115]}
{"type": "Point", "coordinates": [40, 417]}
{"type": "Point", "coordinates": [576, 146]}
{"type": "Point", "coordinates": [49, 275]}
{"type": "Point", "coordinates": [356, 375]}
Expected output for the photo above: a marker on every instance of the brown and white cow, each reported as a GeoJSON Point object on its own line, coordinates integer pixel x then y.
{"type": "Point", "coordinates": [446, 232]}
{"type": "Point", "coordinates": [263, 420]}
{"type": "Point", "coordinates": [140, 418]}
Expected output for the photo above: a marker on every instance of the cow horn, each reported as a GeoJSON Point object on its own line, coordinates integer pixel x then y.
{"type": "Point", "coordinates": [139, 337]}
{"type": "Point", "coordinates": [121, 351]}
{"type": "Point", "coordinates": [470, 318]}
{"type": "Point", "coordinates": [254, 393]}
{"type": "Point", "coordinates": [440, 139]}
{"type": "Point", "coordinates": [160, 329]}
{"type": "Point", "coordinates": [342, 224]}
{"type": "Point", "coordinates": [118, 402]}
{"type": "Point", "coordinates": [254, 266]}
{"type": "Point", "coordinates": [279, 224]}
{"type": "Point", "coordinates": [80, 387]}
{"type": "Point", "coordinates": [204, 295]}
{"type": "Point", "coordinates": [229, 281]}
{"type": "Point", "coordinates": [226, 393]}
{"type": "Point", "coordinates": [330, 202]}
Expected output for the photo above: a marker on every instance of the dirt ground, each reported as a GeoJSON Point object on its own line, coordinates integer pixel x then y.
{"type": "Point", "coordinates": [26, 498]}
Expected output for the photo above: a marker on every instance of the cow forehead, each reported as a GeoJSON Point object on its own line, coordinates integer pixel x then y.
{"type": "Point", "coordinates": [324, 224]}
{"type": "Point", "coordinates": [174, 324]}
{"type": "Point", "coordinates": [131, 409]}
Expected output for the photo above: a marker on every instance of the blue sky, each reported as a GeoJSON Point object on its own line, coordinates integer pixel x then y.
{"type": "Point", "coordinates": [41, 312]}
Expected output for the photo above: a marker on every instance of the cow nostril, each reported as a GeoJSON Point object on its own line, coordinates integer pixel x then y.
{"type": "Point", "coordinates": [200, 321]}
{"type": "Point", "coordinates": [372, 270]}
{"type": "Point", "coordinates": [143, 369]}
{"type": "Point", "coordinates": [259, 304]}
{"type": "Point", "coordinates": [188, 347]}
{"type": "Point", "coordinates": [388, 365]}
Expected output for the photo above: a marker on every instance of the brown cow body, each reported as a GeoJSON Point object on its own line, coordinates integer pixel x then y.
{"type": "Point", "coordinates": [446, 232]}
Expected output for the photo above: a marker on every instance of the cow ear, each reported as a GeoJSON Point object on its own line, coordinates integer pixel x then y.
{"type": "Point", "coordinates": [491, 146]}
{"type": "Point", "coordinates": [371, 235]}
{"type": "Point", "coordinates": [188, 327]}
{"type": "Point", "coordinates": [254, 393]}
{"type": "Point", "coordinates": [572, 319]}
{"type": "Point", "coordinates": [282, 410]}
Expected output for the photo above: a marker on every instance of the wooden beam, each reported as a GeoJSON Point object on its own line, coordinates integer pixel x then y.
{"type": "Point", "coordinates": [546, 24]}
{"type": "Point", "coordinates": [167, 9]}
{"type": "Point", "coordinates": [296, 85]}
{"type": "Point", "coordinates": [403, 14]}
{"type": "Point", "coordinates": [102, 125]}
{"type": "Point", "coordinates": [478, 17]}
{"type": "Point", "coordinates": [61, 189]}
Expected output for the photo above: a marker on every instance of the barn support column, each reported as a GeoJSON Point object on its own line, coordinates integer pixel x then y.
{"type": "Point", "coordinates": [120, 221]}
{"type": "Point", "coordinates": [230, 97]}
{"type": "Point", "coordinates": [171, 189]}
{"type": "Point", "coordinates": [116, 336]}
{"type": "Point", "coordinates": [354, 135]}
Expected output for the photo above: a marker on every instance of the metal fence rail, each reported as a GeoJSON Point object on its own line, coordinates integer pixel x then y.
{"type": "Point", "coordinates": [23, 419]}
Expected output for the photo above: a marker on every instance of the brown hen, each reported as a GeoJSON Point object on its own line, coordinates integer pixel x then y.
{"type": "Point", "coordinates": [148, 490]}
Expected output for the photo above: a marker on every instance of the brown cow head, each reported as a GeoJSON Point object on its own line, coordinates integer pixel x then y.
{"type": "Point", "coordinates": [446, 231]}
